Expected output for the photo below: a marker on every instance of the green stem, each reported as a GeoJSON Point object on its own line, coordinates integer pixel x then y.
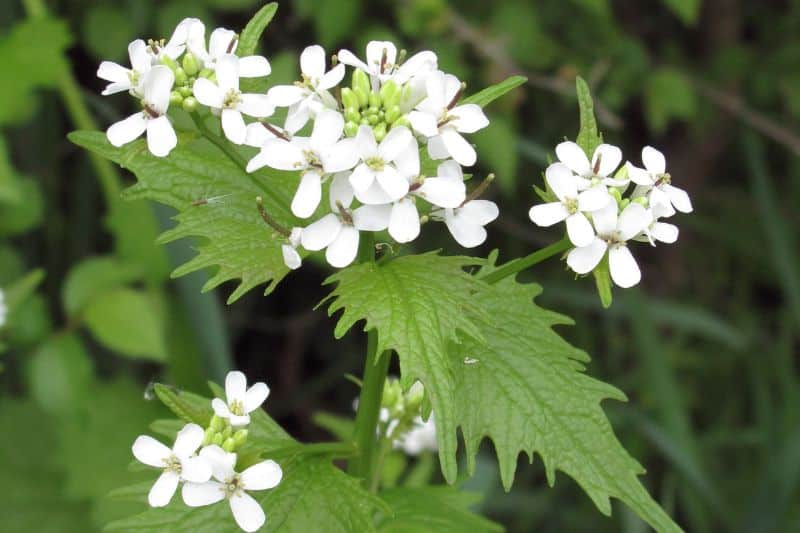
{"type": "Point", "coordinates": [518, 265]}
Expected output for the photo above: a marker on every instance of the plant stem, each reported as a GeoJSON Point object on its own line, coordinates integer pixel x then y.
{"type": "Point", "coordinates": [518, 265]}
{"type": "Point", "coordinates": [376, 367]}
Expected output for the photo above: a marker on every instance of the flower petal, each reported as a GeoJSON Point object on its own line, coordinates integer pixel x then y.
{"type": "Point", "coordinates": [366, 144]}
{"type": "Point", "coordinates": [279, 154]}
{"type": "Point", "coordinates": [255, 396]}
{"type": "Point", "coordinates": [561, 181]}
{"type": "Point", "coordinates": [285, 95]}
{"type": "Point", "coordinates": [188, 440]}
{"type": "Point", "coordinates": [342, 156]}
{"type": "Point", "coordinates": [161, 138]}
{"type": "Point", "coordinates": [341, 192]}
{"type": "Point", "coordinates": [580, 231]}
{"type": "Point", "coordinates": [595, 198]}
{"type": "Point", "coordinates": [221, 462]}
{"type": "Point", "coordinates": [609, 157]}
{"type": "Point", "coordinates": [233, 126]}
{"type": "Point", "coordinates": [546, 215]}
{"type": "Point", "coordinates": [256, 105]}
{"type": "Point", "coordinates": [222, 41]}
{"type": "Point", "coordinates": [149, 451]}
{"type": "Point", "coordinates": [423, 123]}
{"type": "Point", "coordinates": [395, 185]}
{"type": "Point", "coordinates": [639, 175]}
{"type": "Point", "coordinates": [632, 221]}
{"type": "Point", "coordinates": [308, 195]}
{"type": "Point", "coordinates": [664, 232]}
{"type": "Point", "coordinates": [195, 469]}
{"type": "Point", "coordinates": [261, 476]}
{"type": "Point", "coordinates": [584, 259]}
{"type": "Point", "coordinates": [469, 118]}
{"type": "Point", "coordinates": [624, 271]}
{"type": "Point", "coordinates": [208, 93]}
{"type": "Point", "coordinates": [443, 192]}
{"type": "Point", "coordinates": [375, 54]}
{"type": "Point", "coordinates": [464, 230]}
{"type": "Point", "coordinates": [404, 221]}
{"type": "Point", "coordinates": [110, 71]}
{"type": "Point", "coordinates": [254, 67]}
{"type": "Point", "coordinates": [157, 87]}
{"type": "Point", "coordinates": [362, 178]}
{"type": "Point", "coordinates": [332, 78]}
{"type": "Point", "coordinates": [247, 512]}
{"type": "Point", "coordinates": [312, 61]}
{"type": "Point", "coordinates": [372, 217]}
{"type": "Point", "coordinates": [127, 130]}
{"type": "Point", "coordinates": [140, 59]}
{"type": "Point", "coordinates": [342, 251]}
{"type": "Point", "coordinates": [328, 128]}
{"type": "Point", "coordinates": [394, 143]}
{"type": "Point", "coordinates": [228, 73]}
{"type": "Point", "coordinates": [574, 157]}
{"type": "Point", "coordinates": [437, 148]}
{"type": "Point", "coordinates": [458, 147]}
{"type": "Point", "coordinates": [653, 160]}
{"type": "Point", "coordinates": [220, 408]}
{"type": "Point", "coordinates": [201, 494]}
{"type": "Point", "coordinates": [163, 489]}
{"type": "Point", "coordinates": [678, 197]}
{"type": "Point", "coordinates": [321, 233]}
{"type": "Point", "coordinates": [605, 219]}
{"type": "Point", "coordinates": [291, 258]}
{"type": "Point", "coordinates": [480, 211]}
{"type": "Point", "coordinates": [235, 386]}
{"type": "Point", "coordinates": [349, 58]}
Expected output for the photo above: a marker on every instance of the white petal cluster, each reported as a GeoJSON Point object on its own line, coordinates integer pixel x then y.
{"type": "Point", "coordinates": [599, 221]}
{"type": "Point", "coordinates": [364, 151]}
{"type": "Point", "coordinates": [206, 470]}
{"type": "Point", "coordinates": [3, 309]}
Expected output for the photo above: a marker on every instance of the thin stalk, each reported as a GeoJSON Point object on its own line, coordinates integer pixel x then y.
{"type": "Point", "coordinates": [518, 265]}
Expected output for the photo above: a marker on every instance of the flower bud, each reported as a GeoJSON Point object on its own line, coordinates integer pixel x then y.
{"type": "Point", "coordinates": [168, 61]}
{"type": "Point", "coordinates": [415, 395]}
{"type": "Point", "coordinates": [217, 423]}
{"type": "Point", "coordinates": [175, 98]}
{"type": "Point", "coordinates": [180, 76]}
{"type": "Point", "coordinates": [402, 121]}
{"type": "Point", "coordinates": [361, 82]}
{"type": "Point", "coordinates": [362, 95]}
{"type": "Point", "coordinates": [375, 100]}
{"type": "Point", "coordinates": [616, 194]}
{"type": "Point", "coordinates": [351, 128]}
{"type": "Point", "coordinates": [392, 114]}
{"type": "Point", "coordinates": [390, 393]}
{"type": "Point", "coordinates": [380, 131]}
{"type": "Point", "coordinates": [352, 114]}
{"type": "Point", "coordinates": [642, 200]}
{"type": "Point", "coordinates": [217, 439]}
{"type": "Point", "coordinates": [189, 104]}
{"type": "Point", "coordinates": [227, 432]}
{"type": "Point", "coordinates": [349, 99]}
{"type": "Point", "coordinates": [208, 436]}
{"type": "Point", "coordinates": [372, 119]}
{"type": "Point", "coordinates": [189, 64]}
{"type": "Point", "coordinates": [390, 94]}
{"type": "Point", "coordinates": [229, 445]}
{"type": "Point", "coordinates": [240, 437]}
{"type": "Point", "coordinates": [186, 91]}
{"type": "Point", "coordinates": [206, 73]}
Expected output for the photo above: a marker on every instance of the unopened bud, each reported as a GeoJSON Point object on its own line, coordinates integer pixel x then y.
{"type": "Point", "coordinates": [217, 439]}
{"type": "Point", "coordinates": [641, 200]}
{"type": "Point", "coordinates": [189, 64]}
{"type": "Point", "coordinates": [351, 128]}
{"type": "Point", "coordinates": [185, 91]}
{"type": "Point", "coordinates": [616, 194]}
{"type": "Point", "coordinates": [168, 61]}
{"type": "Point", "coordinates": [206, 73]}
{"type": "Point", "coordinates": [208, 436]}
{"type": "Point", "coordinates": [415, 395]}
{"type": "Point", "coordinates": [373, 119]}
{"type": "Point", "coordinates": [361, 82]}
{"type": "Point", "coordinates": [392, 114]}
{"type": "Point", "coordinates": [189, 104]}
{"type": "Point", "coordinates": [175, 98]}
{"type": "Point", "coordinates": [362, 95]}
{"type": "Point", "coordinates": [240, 437]}
{"type": "Point", "coordinates": [180, 76]}
{"type": "Point", "coordinates": [624, 203]}
{"type": "Point", "coordinates": [391, 393]}
{"type": "Point", "coordinates": [375, 100]}
{"type": "Point", "coordinates": [390, 94]}
{"type": "Point", "coordinates": [227, 432]}
{"type": "Point", "coordinates": [349, 98]}
{"type": "Point", "coordinates": [229, 445]}
{"type": "Point", "coordinates": [380, 131]}
{"type": "Point", "coordinates": [217, 423]}
{"type": "Point", "coordinates": [352, 114]}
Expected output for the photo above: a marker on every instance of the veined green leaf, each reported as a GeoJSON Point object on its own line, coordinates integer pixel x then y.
{"type": "Point", "coordinates": [490, 94]}
{"type": "Point", "coordinates": [433, 510]}
{"type": "Point", "coordinates": [588, 137]}
{"type": "Point", "coordinates": [418, 305]}
{"type": "Point", "coordinates": [525, 389]}
{"type": "Point", "coordinates": [248, 40]}
{"type": "Point", "coordinates": [215, 198]}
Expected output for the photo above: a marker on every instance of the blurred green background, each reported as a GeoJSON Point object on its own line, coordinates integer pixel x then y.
{"type": "Point", "coordinates": [706, 348]}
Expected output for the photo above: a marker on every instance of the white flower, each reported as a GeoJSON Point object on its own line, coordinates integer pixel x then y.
{"type": "Point", "coordinates": [226, 96]}
{"type": "Point", "coordinates": [654, 181]}
{"type": "Point", "coordinates": [382, 64]}
{"type": "Point", "coordinates": [383, 174]}
{"type": "Point", "coordinates": [161, 138]}
{"type": "Point", "coordinates": [310, 95]}
{"type": "Point", "coordinates": [179, 463]}
{"type": "Point", "coordinates": [613, 232]}
{"type": "Point", "coordinates": [221, 43]}
{"type": "Point", "coordinates": [659, 231]}
{"type": "Point", "coordinates": [232, 486]}
{"type": "Point", "coordinates": [127, 79]}
{"type": "Point", "coordinates": [605, 160]}
{"type": "Point", "coordinates": [439, 119]}
{"type": "Point", "coordinates": [325, 152]}
{"type": "Point", "coordinates": [176, 44]}
{"type": "Point", "coordinates": [289, 249]}
{"type": "Point", "coordinates": [447, 190]}
{"type": "Point", "coordinates": [3, 309]}
{"type": "Point", "coordinates": [240, 401]}
{"type": "Point", "coordinates": [571, 205]}
{"type": "Point", "coordinates": [421, 438]}
{"type": "Point", "coordinates": [337, 232]}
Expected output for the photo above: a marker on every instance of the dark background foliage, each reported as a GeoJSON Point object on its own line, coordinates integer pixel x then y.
{"type": "Point", "coordinates": [705, 348]}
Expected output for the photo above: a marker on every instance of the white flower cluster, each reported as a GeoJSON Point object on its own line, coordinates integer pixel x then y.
{"type": "Point", "coordinates": [3, 309]}
{"type": "Point", "coordinates": [401, 421]}
{"type": "Point", "coordinates": [209, 476]}
{"type": "Point", "coordinates": [365, 140]}
{"type": "Point", "coordinates": [599, 221]}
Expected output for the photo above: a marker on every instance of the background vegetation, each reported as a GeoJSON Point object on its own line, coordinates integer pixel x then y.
{"type": "Point", "coordinates": [706, 348]}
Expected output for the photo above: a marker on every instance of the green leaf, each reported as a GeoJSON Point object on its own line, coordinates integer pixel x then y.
{"type": "Point", "coordinates": [32, 55]}
{"type": "Point", "coordinates": [248, 40]}
{"type": "Point", "coordinates": [668, 95]}
{"type": "Point", "coordinates": [127, 321]}
{"type": "Point", "coordinates": [187, 406]}
{"type": "Point", "coordinates": [102, 43]}
{"type": "Point", "coordinates": [19, 291]}
{"type": "Point", "coordinates": [433, 510]}
{"type": "Point", "coordinates": [135, 228]}
{"type": "Point", "coordinates": [216, 201]}
{"type": "Point", "coordinates": [9, 180]}
{"type": "Point", "coordinates": [498, 144]}
{"type": "Point", "coordinates": [686, 10]}
{"type": "Point", "coordinates": [26, 213]}
{"type": "Point", "coordinates": [91, 278]}
{"type": "Point", "coordinates": [335, 21]}
{"type": "Point", "coordinates": [59, 374]}
{"type": "Point", "coordinates": [418, 306]}
{"type": "Point", "coordinates": [340, 427]}
{"type": "Point", "coordinates": [525, 388]}
{"type": "Point", "coordinates": [588, 136]}
{"type": "Point", "coordinates": [490, 94]}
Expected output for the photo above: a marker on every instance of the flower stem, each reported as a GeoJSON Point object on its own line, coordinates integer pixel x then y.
{"type": "Point", "coordinates": [518, 265]}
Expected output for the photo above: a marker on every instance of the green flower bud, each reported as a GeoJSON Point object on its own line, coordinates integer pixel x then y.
{"type": "Point", "coordinates": [352, 114]}
{"type": "Point", "coordinates": [615, 193]}
{"type": "Point", "coordinates": [217, 423]}
{"type": "Point", "coordinates": [175, 98]}
{"type": "Point", "coordinates": [393, 114]}
{"type": "Point", "coordinates": [364, 121]}
{"type": "Point", "coordinates": [642, 200]}
{"type": "Point", "coordinates": [189, 104]}
{"type": "Point", "coordinates": [349, 98]}
{"type": "Point", "coordinates": [390, 395]}
{"type": "Point", "coordinates": [240, 437]}
{"type": "Point", "coordinates": [373, 119]}
{"type": "Point", "coordinates": [189, 64]}
{"type": "Point", "coordinates": [227, 432]}
{"type": "Point", "coordinates": [361, 82]}
{"type": "Point", "coordinates": [168, 61]}
{"type": "Point", "coordinates": [351, 128]}
{"type": "Point", "coordinates": [206, 73]}
{"type": "Point", "coordinates": [415, 396]}
{"type": "Point", "coordinates": [375, 100]}
{"type": "Point", "coordinates": [402, 121]}
{"type": "Point", "coordinates": [208, 436]}
{"type": "Point", "coordinates": [390, 94]}
{"type": "Point", "coordinates": [217, 439]}
{"type": "Point", "coordinates": [180, 76]}
{"type": "Point", "coordinates": [362, 95]}
{"type": "Point", "coordinates": [373, 110]}
{"type": "Point", "coordinates": [229, 445]}
{"type": "Point", "coordinates": [185, 91]}
{"type": "Point", "coordinates": [380, 131]}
